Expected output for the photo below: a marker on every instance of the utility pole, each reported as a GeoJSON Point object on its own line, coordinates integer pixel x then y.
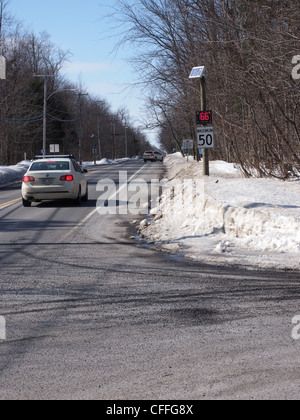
{"type": "Point", "coordinates": [113, 132]}
{"type": "Point", "coordinates": [80, 130]}
{"type": "Point", "coordinates": [98, 130]}
{"type": "Point", "coordinates": [45, 77]}
{"type": "Point", "coordinates": [126, 141]}
{"type": "Point", "coordinates": [99, 138]}
{"type": "Point", "coordinates": [45, 116]}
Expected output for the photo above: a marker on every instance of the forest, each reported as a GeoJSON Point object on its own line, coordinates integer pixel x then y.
{"type": "Point", "coordinates": [250, 49]}
{"type": "Point", "coordinates": [80, 123]}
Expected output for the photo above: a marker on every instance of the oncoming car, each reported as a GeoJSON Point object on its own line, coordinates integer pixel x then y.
{"type": "Point", "coordinates": [54, 178]}
{"type": "Point", "coordinates": [153, 156]}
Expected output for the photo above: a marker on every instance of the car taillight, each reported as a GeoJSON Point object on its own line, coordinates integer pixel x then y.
{"type": "Point", "coordinates": [27, 179]}
{"type": "Point", "coordinates": [67, 178]}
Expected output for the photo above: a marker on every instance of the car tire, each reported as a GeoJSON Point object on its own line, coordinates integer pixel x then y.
{"type": "Point", "coordinates": [26, 203]}
{"type": "Point", "coordinates": [86, 197]}
{"type": "Point", "coordinates": [78, 200]}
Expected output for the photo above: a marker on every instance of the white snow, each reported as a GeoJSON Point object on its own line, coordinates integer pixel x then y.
{"type": "Point", "coordinates": [15, 173]}
{"type": "Point", "coordinates": [11, 174]}
{"type": "Point", "coordinates": [106, 161]}
{"type": "Point", "coordinates": [227, 218]}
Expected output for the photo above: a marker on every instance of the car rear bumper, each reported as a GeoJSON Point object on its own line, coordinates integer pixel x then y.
{"type": "Point", "coordinates": [54, 192]}
{"type": "Point", "coordinates": [152, 159]}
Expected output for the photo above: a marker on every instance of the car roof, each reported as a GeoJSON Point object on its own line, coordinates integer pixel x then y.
{"type": "Point", "coordinates": [50, 159]}
{"type": "Point", "coordinates": [56, 157]}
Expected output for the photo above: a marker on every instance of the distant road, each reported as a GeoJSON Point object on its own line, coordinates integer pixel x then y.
{"type": "Point", "coordinates": [91, 315]}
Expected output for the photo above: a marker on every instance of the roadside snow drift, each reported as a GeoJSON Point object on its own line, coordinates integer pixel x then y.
{"type": "Point", "coordinates": [10, 174]}
{"type": "Point", "coordinates": [226, 218]}
{"type": "Point", "coordinates": [15, 173]}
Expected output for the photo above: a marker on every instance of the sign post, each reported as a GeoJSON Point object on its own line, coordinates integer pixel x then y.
{"type": "Point", "coordinates": [203, 117]}
{"type": "Point", "coordinates": [203, 108]}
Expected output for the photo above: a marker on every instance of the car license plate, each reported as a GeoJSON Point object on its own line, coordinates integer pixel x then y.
{"type": "Point", "coordinates": [47, 181]}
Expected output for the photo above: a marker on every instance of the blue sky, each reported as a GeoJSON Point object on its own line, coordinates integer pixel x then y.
{"type": "Point", "coordinates": [83, 28]}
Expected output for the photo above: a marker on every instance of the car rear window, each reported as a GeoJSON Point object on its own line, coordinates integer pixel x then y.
{"type": "Point", "coordinates": [50, 166]}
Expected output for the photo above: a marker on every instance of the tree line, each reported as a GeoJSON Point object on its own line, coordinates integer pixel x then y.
{"type": "Point", "coordinates": [247, 47]}
{"type": "Point", "coordinates": [82, 124]}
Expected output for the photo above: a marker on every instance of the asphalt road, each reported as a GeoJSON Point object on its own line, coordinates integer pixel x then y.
{"type": "Point", "coordinates": [91, 315]}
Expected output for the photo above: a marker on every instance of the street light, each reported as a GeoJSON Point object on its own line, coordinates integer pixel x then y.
{"type": "Point", "coordinates": [80, 134]}
{"type": "Point", "coordinates": [46, 98]}
{"type": "Point", "coordinates": [61, 90]}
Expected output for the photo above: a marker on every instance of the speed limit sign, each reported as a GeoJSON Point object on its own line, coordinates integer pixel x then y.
{"type": "Point", "coordinates": [206, 137]}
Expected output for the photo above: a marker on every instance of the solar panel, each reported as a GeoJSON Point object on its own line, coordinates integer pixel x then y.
{"type": "Point", "coordinates": [198, 72]}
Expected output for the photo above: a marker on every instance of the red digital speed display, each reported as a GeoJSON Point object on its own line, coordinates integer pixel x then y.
{"type": "Point", "coordinates": [203, 117]}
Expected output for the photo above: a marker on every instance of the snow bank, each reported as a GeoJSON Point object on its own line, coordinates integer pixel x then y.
{"type": "Point", "coordinates": [10, 174]}
{"type": "Point", "coordinates": [106, 161]}
{"type": "Point", "coordinates": [227, 218]}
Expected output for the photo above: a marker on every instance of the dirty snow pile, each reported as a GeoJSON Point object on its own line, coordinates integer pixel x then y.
{"type": "Point", "coordinates": [106, 161]}
{"type": "Point", "coordinates": [226, 218]}
{"type": "Point", "coordinates": [10, 174]}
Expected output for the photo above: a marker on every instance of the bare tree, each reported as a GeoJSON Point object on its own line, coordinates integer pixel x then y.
{"type": "Point", "coordinates": [247, 47]}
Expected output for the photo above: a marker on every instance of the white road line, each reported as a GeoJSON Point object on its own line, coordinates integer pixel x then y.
{"type": "Point", "coordinates": [90, 215]}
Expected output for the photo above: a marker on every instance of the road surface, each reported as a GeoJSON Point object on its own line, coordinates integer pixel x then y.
{"type": "Point", "coordinates": [91, 315]}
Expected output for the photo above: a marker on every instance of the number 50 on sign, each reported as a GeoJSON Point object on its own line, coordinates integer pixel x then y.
{"type": "Point", "coordinates": [206, 137]}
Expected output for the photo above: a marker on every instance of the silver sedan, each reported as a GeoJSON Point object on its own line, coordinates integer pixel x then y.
{"type": "Point", "coordinates": [54, 178]}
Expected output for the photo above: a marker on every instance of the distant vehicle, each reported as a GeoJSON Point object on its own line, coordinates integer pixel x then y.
{"type": "Point", "coordinates": [153, 156]}
{"type": "Point", "coordinates": [54, 178]}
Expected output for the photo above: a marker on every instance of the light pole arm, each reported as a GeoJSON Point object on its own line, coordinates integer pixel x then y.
{"type": "Point", "coordinates": [61, 90]}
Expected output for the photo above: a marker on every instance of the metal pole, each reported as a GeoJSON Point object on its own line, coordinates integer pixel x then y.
{"type": "Point", "coordinates": [206, 171]}
{"type": "Point", "coordinates": [80, 133]}
{"type": "Point", "coordinates": [99, 138]}
{"type": "Point", "coordinates": [113, 132]}
{"type": "Point", "coordinates": [45, 77]}
{"type": "Point", "coordinates": [126, 142]}
{"type": "Point", "coordinates": [80, 130]}
{"type": "Point", "coordinates": [45, 116]}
